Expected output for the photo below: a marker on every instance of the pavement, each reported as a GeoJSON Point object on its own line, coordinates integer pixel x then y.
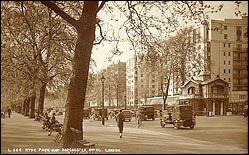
{"type": "Point", "coordinates": [22, 135]}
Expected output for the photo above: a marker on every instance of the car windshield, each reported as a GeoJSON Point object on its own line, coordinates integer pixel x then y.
{"type": "Point", "coordinates": [149, 109]}
{"type": "Point", "coordinates": [186, 109]}
{"type": "Point", "coordinates": [126, 112]}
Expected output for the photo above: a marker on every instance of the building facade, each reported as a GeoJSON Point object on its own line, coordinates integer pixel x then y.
{"type": "Point", "coordinates": [227, 56]}
{"type": "Point", "coordinates": [207, 96]}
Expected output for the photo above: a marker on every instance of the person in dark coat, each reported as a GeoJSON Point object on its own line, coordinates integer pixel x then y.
{"type": "Point", "coordinates": [120, 122]}
{"type": "Point", "coordinates": [9, 112]}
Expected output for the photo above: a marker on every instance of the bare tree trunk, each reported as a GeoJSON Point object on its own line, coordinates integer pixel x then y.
{"type": "Point", "coordinates": [165, 95]}
{"type": "Point", "coordinates": [41, 99]}
{"type": "Point", "coordinates": [32, 107]}
{"type": "Point", "coordinates": [77, 87]}
{"type": "Point", "coordinates": [85, 27]}
{"type": "Point", "coordinates": [27, 107]}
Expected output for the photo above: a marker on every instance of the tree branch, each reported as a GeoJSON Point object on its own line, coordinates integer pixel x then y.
{"type": "Point", "coordinates": [60, 12]}
{"type": "Point", "coordinates": [101, 6]}
{"type": "Point", "coordinates": [101, 34]}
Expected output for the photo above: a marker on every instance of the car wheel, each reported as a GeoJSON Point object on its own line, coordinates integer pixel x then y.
{"type": "Point", "coordinates": [176, 126]}
{"type": "Point", "coordinates": [192, 127]}
{"type": "Point", "coordinates": [162, 125]}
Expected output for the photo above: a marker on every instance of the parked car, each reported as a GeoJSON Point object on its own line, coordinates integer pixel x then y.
{"type": "Point", "coordinates": [148, 112]}
{"type": "Point", "coordinates": [181, 115]}
{"type": "Point", "coordinates": [127, 114]}
{"type": "Point", "coordinates": [98, 114]}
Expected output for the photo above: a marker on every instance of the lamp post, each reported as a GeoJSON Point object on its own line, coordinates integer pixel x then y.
{"type": "Point", "coordinates": [103, 104]}
{"type": "Point", "coordinates": [125, 101]}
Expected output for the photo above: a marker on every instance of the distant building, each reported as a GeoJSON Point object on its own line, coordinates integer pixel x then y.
{"type": "Point", "coordinates": [131, 82]}
{"type": "Point", "coordinates": [224, 46]}
{"type": "Point", "coordinates": [226, 55]}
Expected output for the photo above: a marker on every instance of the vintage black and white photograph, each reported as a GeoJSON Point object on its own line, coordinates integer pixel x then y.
{"type": "Point", "coordinates": [124, 77]}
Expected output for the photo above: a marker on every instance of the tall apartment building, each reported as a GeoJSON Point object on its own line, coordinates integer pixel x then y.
{"type": "Point", "coordinates": [227, 56]}
{"type": "Point", "coordinates": [131, 82]}
{"type": "Point", "coordinates": [143, 81]}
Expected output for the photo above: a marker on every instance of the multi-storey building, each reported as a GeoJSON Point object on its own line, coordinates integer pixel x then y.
{"type": "Point", "coordinates": [227, 56]}
{"type": "Point", "coordinates": [144, 81]}
{"type": "Point", "coordinates": [131, 82]}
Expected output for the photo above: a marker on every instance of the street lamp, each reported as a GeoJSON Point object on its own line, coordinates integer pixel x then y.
{"type": "Point", "coordinates": [125, 101]}
{"type": "Point", "coordinates": [103, 104]}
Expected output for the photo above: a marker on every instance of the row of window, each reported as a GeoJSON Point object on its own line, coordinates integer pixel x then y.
{"type": "Point", "coordinates": [218, 89]}
{"type": "Point", "coordinates": [238, 33]}
{"type": "Point", "coordinates": [229, 54]}
{"type": "Point", "coordinates": [229, 79]}
{"type": "Point", "coordinates": [229, 71]}
{"type": "Point", "coordinates": [229, 45]}
{"type": "Point", "coordinates": [229, 62]}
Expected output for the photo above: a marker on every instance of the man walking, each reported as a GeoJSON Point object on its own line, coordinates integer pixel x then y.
{"type": "Point", "coordinates": [9, 112]}
{"type": "Point", "coordinates": [120, 122]}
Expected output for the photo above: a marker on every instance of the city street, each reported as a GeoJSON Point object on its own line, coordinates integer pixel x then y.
{"type": "Point", "coordinates": [211, 135]}
{"type": "Point", "coordinates": [221, 134]}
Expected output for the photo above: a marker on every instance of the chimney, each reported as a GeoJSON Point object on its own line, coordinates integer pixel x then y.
{"type": "Point", "coordinates": [204, 76]}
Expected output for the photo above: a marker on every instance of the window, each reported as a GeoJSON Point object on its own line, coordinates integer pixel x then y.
{"type": "Point", "coordinates": [224, 44]}
{"type": "Point", "coordinates": [224, 62]}
{"type": "Point", "coordinates": [153, 86]}
{"type": "Point", "coordinates": [229, 62]}
{"type": "Point", "coordinates": [229, 45]}
{"type": "Point", "coordinates": [229, 79]}
{"type": "Point", "coordinates": [224, 79]}
{"type": "Point", "coordinates": [228, 53]}
{"type": "Point", "coordinates": [225, 36]}
{"type": "Point", "coordinates": [242, 96]}
{"type": "Point", "coordinates": [191, 90]}
{"type": "Point", "coordinates": [224, 70]}
{"type": "Point", "coordinates": [218, 89]}
{"type": "Point", "coordinates": [224, 53]}
{"type": "Point", "coordinates": [225, 27]}
{"type": "Point", "coordinates": [229, 71]}
{"type": "Point", "coordinates": [215, 91]}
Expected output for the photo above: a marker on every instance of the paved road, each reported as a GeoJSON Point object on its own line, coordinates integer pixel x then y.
{"type": "Point", "coordinates": [211, 135]}
{"type": "Point", "coordinates": [227, 134]}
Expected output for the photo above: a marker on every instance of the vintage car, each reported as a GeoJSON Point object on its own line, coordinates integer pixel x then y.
{"type": "Point", "coordinates": [127, 115]}
{"type": "Point", "coordinates": [98, 114]}
{"type": "Point", "coordinates": [148, 112]}
{"type": "Point", "coordinates": [86, 113]}
{"type": "Point", "coordinates": [179, 116]}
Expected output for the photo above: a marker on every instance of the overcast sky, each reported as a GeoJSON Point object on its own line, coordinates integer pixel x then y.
{"type": "Point", "coordinates": [101, 53]}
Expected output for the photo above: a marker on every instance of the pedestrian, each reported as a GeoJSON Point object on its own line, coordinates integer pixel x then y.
{"type": "Point", "coordinates": [120, 122]}
{"type": "Point", "coordinates": [9, 112]}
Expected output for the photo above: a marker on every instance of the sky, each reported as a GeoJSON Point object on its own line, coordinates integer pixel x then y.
{"type": "Point", "coordinates": [101, 53]}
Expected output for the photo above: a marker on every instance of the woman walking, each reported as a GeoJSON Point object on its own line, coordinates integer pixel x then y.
{"type": "Point", "coordinates": [120, 122]}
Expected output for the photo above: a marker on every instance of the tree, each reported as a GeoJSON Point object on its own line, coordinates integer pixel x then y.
{"type": "Point", "coordinates": [139, 26]}
{"type": "Point", "coordinates": [178, 56]}
{"type": "Point", "coordinates": [36, 50]}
